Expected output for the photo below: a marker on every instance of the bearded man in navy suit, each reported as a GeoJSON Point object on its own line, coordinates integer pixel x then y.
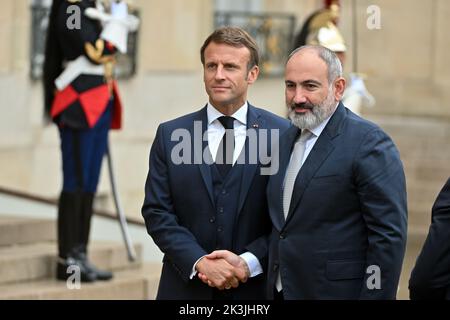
{"type": "Point", "coordinates": [338, 201]}
{"type": "Point", "coordinates": [340, 216]}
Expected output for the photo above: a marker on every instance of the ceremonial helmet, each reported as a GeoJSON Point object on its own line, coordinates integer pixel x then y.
{"type": "Point", "coordinates": [321, 29]}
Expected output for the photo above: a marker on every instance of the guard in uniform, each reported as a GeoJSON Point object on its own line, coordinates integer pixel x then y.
{"type": "Point", "coordinates": [320, 28]}
{"type": "Point", "coordinates": [82, 99]}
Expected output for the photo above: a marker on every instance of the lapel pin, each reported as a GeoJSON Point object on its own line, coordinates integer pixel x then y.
{"type": "Point", "coordinates": [256, 126]}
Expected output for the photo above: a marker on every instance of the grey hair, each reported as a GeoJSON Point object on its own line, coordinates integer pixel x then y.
{"type": "Point", "coordinates": [332, 61]}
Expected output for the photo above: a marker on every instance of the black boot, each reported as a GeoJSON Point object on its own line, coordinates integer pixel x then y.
{"type": "Point", "coordinates": [81, 249]}
{"type": "Point", "coordinates": [66, 268]}
{"type": "Point", "coordinates": [99, 274]}
{"type": "Point", "coordinates": [68, 229]}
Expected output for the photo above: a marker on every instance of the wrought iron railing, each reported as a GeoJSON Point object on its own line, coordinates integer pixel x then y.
{"type": "Point", "coordinates": [273, 33]}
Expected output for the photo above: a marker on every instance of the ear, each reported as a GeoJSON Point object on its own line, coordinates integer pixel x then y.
{"type": "Point", "coordinates": [339, 88]}
{"type": "Point", "coordinates": [252, 75]}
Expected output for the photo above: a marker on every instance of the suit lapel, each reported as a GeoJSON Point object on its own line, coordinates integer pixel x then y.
{"type": "Point", "coordinates": [204, 152]}
{"type": "Point", "coordinates": [254, 122]}
{"type": "Point", "coordinates": [320, 152]}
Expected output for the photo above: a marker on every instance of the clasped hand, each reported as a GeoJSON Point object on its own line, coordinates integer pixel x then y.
{"type": "Point", "coordinates": [223, 270]}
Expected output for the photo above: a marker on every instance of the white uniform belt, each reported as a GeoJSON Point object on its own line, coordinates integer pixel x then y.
{"type": "Point", "coordinates": [80, 65]}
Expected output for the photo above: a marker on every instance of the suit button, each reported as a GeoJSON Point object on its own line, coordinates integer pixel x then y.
{"type": "Point", "coordinates": [282, 236]}
{"type": "Point", "coordinates": [212, 220]}
{"type": "Point", "coordinates": [224, 192]}
{"type": "Point", "coordinates": [219, 229]}
{"type": "Point", "coordinates": [221, 210]}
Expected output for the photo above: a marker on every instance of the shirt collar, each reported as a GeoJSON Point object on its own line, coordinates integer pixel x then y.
{"type": "Point", "coordinates": [240, 114]}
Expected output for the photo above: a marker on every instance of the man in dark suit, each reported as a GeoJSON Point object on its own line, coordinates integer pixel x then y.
{"type": "Point", "coordinates": [338, 202]}
{"type": "Point", "coordinates": [193, 204]}
{"type": "Point", "coordinates": [430, 278]}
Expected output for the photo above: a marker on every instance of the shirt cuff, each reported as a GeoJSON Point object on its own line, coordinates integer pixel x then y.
{"type": "Point", "coordinates": [194, 271]}
{"type": "Point", "coordinates": [253, 264]}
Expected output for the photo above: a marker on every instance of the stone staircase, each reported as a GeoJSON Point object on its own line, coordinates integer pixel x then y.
{"type": "Point", "coordinates": [27, 266]}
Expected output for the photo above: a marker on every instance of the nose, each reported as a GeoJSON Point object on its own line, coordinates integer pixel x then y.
{"type": "Point", "coordinates": [299, 96]}
{"type": "Point", "coordinates": [219, 73]}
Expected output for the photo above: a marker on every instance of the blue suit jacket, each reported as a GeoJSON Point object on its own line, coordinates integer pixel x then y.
{"type": "Point", "coordinates": [430, 278]}
{"type": "Point", "coordinates": [348, 212]}
{"type": "Point", "coordinates": [179, 209]}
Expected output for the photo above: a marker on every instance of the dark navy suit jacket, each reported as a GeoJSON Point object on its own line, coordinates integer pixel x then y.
{"type": "Point", "coordinates": [430, 278]}
{"type": "Point", "coordinates": [348, 212]}
{"type": "Point", "coordinates": [179, 209]}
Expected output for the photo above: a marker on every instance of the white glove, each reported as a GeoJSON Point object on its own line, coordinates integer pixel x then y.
{"type": "Point", "coordinates": [116, 25]}
{"type": "Point", "coordinates": [358, 86]}
{"type": "Point", "coordinates": [119, 10]}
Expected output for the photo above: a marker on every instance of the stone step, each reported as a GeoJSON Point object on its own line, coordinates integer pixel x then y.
{"type": "Point", "coordinates": [19, 263]}
{"type": "Point", "coordinates": [18, 230]}
{"type": "Point", "coordinates": [136, 284]}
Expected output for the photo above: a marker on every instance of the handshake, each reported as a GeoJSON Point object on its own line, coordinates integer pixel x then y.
{"type": "Point", "coordinates": [222, 270]}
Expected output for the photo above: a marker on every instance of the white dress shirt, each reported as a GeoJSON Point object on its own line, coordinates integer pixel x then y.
{"type": "Point", "coordinates": [216, 130]}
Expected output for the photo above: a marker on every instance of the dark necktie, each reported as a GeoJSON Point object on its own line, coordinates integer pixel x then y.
{"type": "Point", "coordinates": [224, 157]}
